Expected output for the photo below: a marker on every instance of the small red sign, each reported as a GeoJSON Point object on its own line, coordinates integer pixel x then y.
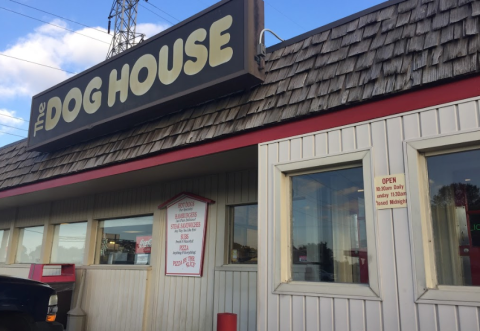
{"type": "Point", "coordinates": [144, 245]}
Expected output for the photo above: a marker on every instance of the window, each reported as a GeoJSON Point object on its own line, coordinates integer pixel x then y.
{"type": "Point", "coordinates": [243, 234]}
{"type": "Point", "coordinates": [125, 241]}
{"type": "Point", "coordinates": [444, 206]}
{"type": "Point", "coordinates": [69, 243]}
{"type": "Point", "coordinates": [329, 242]}
{"type": "Point", "coordinates": [29, 247]}
{"type": "Point", "coordinates": [454, 181]}
{"type": "Point", "coordinates": [4, 235]}
{"type": "Point", "coordinates": [323, 216]}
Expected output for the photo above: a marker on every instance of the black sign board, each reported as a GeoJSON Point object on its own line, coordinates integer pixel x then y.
{"type": "Point", "coordinates": [207, 56]}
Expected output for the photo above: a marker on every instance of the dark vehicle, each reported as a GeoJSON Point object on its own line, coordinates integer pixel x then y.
{"type": "Point", "coordinates": [27, 305]}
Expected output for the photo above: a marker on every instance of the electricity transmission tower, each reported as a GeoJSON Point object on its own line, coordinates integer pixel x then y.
{"type": "Point", "coordinates": [124, 34]}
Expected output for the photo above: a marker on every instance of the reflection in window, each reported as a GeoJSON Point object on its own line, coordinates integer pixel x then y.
{"type": "Point", "coordinates": [4, 234]}
{"type": "Point", "coordinates": [244, 234]}
{"type": "Point", "coordinates": [329, 242]}
{"type": "Point", "coordinates": [454, 181]}
{"type": "Point", "coordinates": [29, 247]}
{"type": "Point", "coordinates": [125, 241]}
{"type": "Point", "coordinates": [69, 243]}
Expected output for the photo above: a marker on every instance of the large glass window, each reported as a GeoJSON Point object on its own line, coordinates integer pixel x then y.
{"type": "Point", "coordinates": [69, 243]}
{"type": "Point", "coordinates": [4, 234]}
{"type": "Point", "coordinates": [329, 241]}
{"type": "Point", "coordinates": [454, 181]}
{"type": "Point", "coordinates": [29, 247]}
{"type": "Point", "coordinates": [244, 235]}
{"type": "Point", "coordinates": [125, 241]}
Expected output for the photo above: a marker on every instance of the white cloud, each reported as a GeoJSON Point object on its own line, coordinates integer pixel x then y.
{"type": "Point", "coordinates": [150, 29]}
{"type": "Point", "coordinates": [8, 120]}
{"type": "Point", "coordinates": [54, 47]}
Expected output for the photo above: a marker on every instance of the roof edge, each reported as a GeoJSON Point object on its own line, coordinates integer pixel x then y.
{"type": "Point", "coordinates": [409, 101]}
{"type": "Point", "coordinates": [332, 25]}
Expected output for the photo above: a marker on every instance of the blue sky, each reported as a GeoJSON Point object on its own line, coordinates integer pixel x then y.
{"type": "Point", "coordinates": [36, 41]}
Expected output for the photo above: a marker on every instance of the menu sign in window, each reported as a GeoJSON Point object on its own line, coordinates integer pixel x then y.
{"type": "Point", "coordinates": [186, 229]}
{"type": "Point", "coordinates": [390, 192]}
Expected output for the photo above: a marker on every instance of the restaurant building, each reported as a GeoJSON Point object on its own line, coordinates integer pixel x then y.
{"type": "Point", "coordinates": [331, 183]}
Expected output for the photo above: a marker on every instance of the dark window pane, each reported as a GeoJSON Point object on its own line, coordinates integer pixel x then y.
{"type": "Point", "coordinates": [125, 241]}
{"type": "Point", "coordinates": [69, 243]}
{"type": "Point", "coordinates": [29, 245]}
{"type": "Point", "coordinates": [454, 181]}
{"type": "Point", "coordinates": [329, 241]}
{"type": "Point", "coordinates": [244, 235]}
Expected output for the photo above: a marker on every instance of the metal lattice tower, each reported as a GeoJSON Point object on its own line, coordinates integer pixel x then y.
{"type": "Point", "coordinates": [124, 34]}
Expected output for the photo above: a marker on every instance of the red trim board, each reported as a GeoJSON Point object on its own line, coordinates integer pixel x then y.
{"type": "Point", "coordinates": [458, 90]}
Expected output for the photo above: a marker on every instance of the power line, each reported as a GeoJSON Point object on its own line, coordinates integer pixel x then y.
{"type": "Point", "coordinates": [13, 134]}
{"type": "Point", "coordinates": [268, 3]}
{"type": "Point", "coordinates": [58, 26]}
{"type": "Point", "coordinates": [13, 127]}
{"type": "Point", "coordinates": [43, 65]}
{"type": "Point", "coordinates": [163, 11]}
{"type": "Point", "coordinates": [163, 18]}
{"type": "Point", "coordinates": [18, 118]}
{"type": "Point", "coordinates": [46, 12]}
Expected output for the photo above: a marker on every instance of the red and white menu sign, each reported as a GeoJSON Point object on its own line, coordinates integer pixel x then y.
{"type": "Point", "coordinates": [144, 245]}
{"type": "Point", "coordinates": [186, 229]}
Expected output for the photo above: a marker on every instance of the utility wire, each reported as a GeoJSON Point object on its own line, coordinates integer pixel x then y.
{"type": "Point", "coordinates": [13, 134]}
{"type": "Point", "coordinates": [268, 3]}
{"type": "Point", "coordinates": [58, 26]}
{"type": "Point", "coordinates": [163, 11]}
{"type": "Point", "coordinates": [13, 127]}
{"type": "Point", "coordinates": [63, 18]}
{"type": "Point", "coordinates": [43, 65]}
{"type": "Point", "coordinates": [17, 118]}
{"type": "Point", "coordinates": [163, 18]}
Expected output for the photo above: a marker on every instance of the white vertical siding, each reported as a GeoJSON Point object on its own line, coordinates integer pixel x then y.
{"type": "Point", "coordinates": [32, 215]}
{"type": "Point", "coordinates": [72, 210]}
{"type": "Point", "coordinates": [124, 203]}
{"type": "Point", "coordinates": [6, 218]}
{"type": "Point", "coordinates": [114, 299]}
{"type": "Point", "coordinates": [235, 290]}
{"type": "Point", "coordinates": [17, 271]}
{"type": "Point", "coordinates": [397, 310]}
{"type": "Point", "coordinates": [119, 298]}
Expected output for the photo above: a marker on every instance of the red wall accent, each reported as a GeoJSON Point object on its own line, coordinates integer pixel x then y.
{"type": "Point", "coordinates": [458, 90]}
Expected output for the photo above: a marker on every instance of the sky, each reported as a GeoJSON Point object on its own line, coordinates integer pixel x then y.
{"type": "Point", "coordinates": [36, 35]}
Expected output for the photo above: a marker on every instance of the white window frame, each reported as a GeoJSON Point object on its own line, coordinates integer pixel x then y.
{"type": "Point", "coordinates": [53, 240]}
{"type": "Point", "coordinates": [227, 265]}
{"type": "Point", "coordinates": [427, 289]}
{"type": "Point", "coordinates": [282, 227]}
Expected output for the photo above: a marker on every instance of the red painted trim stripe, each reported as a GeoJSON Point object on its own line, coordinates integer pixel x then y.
{"type": "Point", "coordinates": [458, 90]}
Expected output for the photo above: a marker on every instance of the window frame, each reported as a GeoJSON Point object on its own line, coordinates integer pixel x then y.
{"type": "Point", "coordinates": [82, 263]}
{"type": "Point", "coordinates": [282, 256]}
{"type": "Point", "coordinates": [8, 242]}
{"type": "Point", "coordinates": [426, 286]}
{"type": "Point", "coordinates": [96, 253]}
{"type": "Point", "coordinates": [18, 242]}
{"type": "Point", "coordinates": [229, 237]}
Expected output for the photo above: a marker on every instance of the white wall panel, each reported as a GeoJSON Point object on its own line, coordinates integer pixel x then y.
{"type": "Point", "coordinates": [468, 115]}
{"type": "Point", "coordinates": [21, 272]}
{"type": "Point", "coordinates": [32, 215]}
{"type": "Point", "coordinates": [447, 318]}
{"type": "Point", "coordinates": [7, 216]}
{"type": "Point", "coordinates": [468, 318]}
{"type": "Point", "coordinates": [448, 119]}
{"type": "Point", "coordinates": [124, 203]}
{"type": "Point", "coordinates": [114, 299]}
{"type": "Point", "coordinates": [397, 310]}
{"type": "Point", "coordinates": [72, 210]}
